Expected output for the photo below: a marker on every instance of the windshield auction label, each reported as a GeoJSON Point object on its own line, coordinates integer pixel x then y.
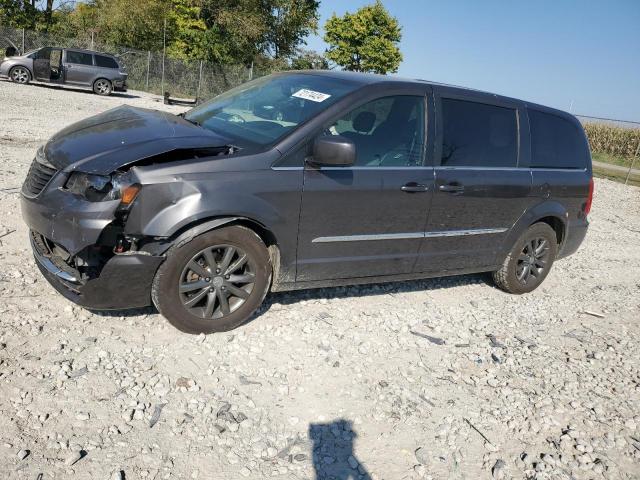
{"type": "Point", "coordinates": [311, 95]}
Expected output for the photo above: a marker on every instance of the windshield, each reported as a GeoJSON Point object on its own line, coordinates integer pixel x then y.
{"type": "Point", "coordinates": [262, 111]}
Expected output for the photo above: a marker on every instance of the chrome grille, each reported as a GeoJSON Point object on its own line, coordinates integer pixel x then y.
{"type": "Point", "coordinates": [38, 177]}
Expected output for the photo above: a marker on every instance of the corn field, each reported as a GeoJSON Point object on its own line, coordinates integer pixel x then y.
{"type": "Point", "coordinates": [612, 140]}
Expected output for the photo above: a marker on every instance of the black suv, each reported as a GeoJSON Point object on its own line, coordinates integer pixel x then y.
{"type": "Point", "coordinates": [301, 180]}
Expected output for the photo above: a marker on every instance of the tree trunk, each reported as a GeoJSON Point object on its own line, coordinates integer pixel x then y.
{"type": "Point", "coordinates": [48, 13]}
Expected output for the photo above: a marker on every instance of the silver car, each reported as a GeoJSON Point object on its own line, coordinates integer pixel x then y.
{"type": "Point", "coordinates": [67, 66]}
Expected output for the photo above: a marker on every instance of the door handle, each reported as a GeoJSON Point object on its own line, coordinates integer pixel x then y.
{"type": "Point", "coordinates": [452, 188]}
{"type": "Point", "coordinates": [413, 187]}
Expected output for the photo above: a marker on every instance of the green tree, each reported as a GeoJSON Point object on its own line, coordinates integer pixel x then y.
{"type": "Point", "coordinates": [235, 29]}
{"type": "Point", "coordinates": [365, 41]}
{"type": "Point", "coordinates": [138, 24]}
{"type": "Point", "coordinates": [265, 32]}
{"type": "Point", "coordinates": [71, 22]}
{"type": "Point", "coordinates": [309, 60]}
{"type": "Point", "coordinates": [19, 14]}
{"type": "Point", "coordinates": [287, 23]}
{"type": "Point", "coordinates": [188, 39]}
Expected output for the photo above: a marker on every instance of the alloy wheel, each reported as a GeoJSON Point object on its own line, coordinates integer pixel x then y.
{"type": "Point", "coordinates": [102, 87]}
{"type": "Point", "coordinates": [20, 75]}
{"type": "Point", "coordinates": [216, 281]}
{"type": "Point", "coordinates": [533, 260]}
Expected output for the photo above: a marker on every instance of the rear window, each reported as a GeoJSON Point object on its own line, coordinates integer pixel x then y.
{"type": "Point", "coordinates": [556, 142]}
{"type": "Point", "coordinates": [106, 62]}
{"type": "Point", "coordinates": [478, 135]}
{"type": "Point", "coordinates": [79, 58]}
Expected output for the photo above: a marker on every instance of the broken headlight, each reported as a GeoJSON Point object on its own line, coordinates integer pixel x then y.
{"type": "Point", "coordinates": [102, 188]}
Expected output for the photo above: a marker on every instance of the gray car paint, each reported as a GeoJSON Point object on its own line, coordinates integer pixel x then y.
{"type": "Point", "coordinates": [265, 189]}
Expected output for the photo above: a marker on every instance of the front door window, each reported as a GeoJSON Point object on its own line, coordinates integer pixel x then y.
{"type": "Point", "coordinates": [387, 132]}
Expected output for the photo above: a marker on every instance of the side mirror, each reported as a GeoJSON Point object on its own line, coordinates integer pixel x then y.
{"type": "Point", "coordinates": [334, 151]}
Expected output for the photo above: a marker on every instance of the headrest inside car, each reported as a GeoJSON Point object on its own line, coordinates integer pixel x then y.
{"type": "Point", "coordinates": [363, 123]}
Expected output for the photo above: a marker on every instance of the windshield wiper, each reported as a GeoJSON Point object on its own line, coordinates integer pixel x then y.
{"type": "Point", "coordinates": [190, 120]}
{"type": "Point", "coordinates": [195, 122]}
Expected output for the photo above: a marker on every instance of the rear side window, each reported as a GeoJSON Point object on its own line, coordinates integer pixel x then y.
{"type": "Point", "coordinates": [79, 58]}
{"type": "Point", "coordinates": [478, 135]}
{"type": "Point", "coordinates": [106, 62]}
{"type": "Point", "coordinates": [556, 142]}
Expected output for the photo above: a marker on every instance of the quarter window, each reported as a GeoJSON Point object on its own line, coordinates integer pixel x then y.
{"type": "Point", "coordinates": [80, 58]}
{"type": "Point", "coordinates": [556, 142]}
{"type": "Point", "coordinates": [388, 132]}
{"type": "Point", "coordinates": [106, 62]}
{"type": "Point", "coordinates": [478, 135]}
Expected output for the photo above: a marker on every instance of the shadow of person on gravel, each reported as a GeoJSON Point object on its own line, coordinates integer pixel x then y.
{"type": "Point", "coordinates": [333, 456]}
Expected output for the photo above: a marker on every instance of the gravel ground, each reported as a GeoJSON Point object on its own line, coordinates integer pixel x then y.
{"type": "Point", "coordinates": [445, 378]}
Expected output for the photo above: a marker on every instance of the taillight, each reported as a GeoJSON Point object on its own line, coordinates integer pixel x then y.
{"type": "Point", "coordinates": [587, 206]}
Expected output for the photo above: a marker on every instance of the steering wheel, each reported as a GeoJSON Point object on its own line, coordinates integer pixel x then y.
{"type": "Point", "coordinates": [231, 117]}
{"type": "Point", "coordinates": [235, 118]}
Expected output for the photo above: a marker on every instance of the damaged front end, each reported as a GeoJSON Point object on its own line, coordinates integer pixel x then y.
{"type": "Point", "coordinates": [81, 234]}
{"type": "Point", "coordinates": [77, 223]}
{"type": "Point", "coordinates": [96, 278]}
{"type": "Point", "coordinates": [79, 193]}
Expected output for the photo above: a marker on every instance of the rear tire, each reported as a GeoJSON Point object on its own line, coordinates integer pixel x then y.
{"type": "Point", "coordinates": [214, 282]}
{"type": "Point", "coordinates": [529, 261]}
{"type": "Point", "coordinates": [103, 87]}
{"type": "Point", "coordinates": [20, 74]}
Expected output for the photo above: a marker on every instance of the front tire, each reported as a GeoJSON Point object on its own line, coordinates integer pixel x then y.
{"type": "Point", "coordinates": [103, 87]}
{"type": "Point", "coordinates": [214, 282]}
{"type": "Point", "coordinates": [529, 261]}
{"type": "Point", "coordinates": [20, 74]}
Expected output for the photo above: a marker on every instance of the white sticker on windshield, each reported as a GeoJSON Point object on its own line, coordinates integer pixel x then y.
{"type": "Point", "coordinates": [311, 95]}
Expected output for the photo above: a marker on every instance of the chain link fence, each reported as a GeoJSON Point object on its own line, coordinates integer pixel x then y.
{"type": "Point", "coordinates": [147, 70]}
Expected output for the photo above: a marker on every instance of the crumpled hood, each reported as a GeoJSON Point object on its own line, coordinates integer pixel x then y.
{"type": "Point", "coordinates": [103, 143]}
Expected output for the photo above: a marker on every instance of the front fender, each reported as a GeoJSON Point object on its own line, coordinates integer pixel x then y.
{"type": "Point", "coordinates": [163, 209]}
{"type": "Point", "coordinates": [172, 201]}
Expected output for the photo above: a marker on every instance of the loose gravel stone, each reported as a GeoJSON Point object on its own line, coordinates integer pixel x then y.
{"type": "Point", "coordinates": [22, 454]}
{"type": "Point", "coordinates": [73, 457]}
{"type": "Point", "coordinates": [328, 380]}
{"type": "Point", "coordinates": [117, 475]}
{"type": "Point", "coordinates": [422, 455]}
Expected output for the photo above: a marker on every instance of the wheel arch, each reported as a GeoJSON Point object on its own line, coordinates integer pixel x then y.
{"type": "Point", "coordinates": [552, 213]}
{"type": "Point", "coordinates": [557, 223]}
{"type": "Point", "coordinates": [31, 76]}
{"type": "Point", "coordinates": [197, 227]}
{"type": "Point", "coordinates": [101, 77]}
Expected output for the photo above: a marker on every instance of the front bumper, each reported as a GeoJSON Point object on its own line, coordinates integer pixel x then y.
{"type": "Point", "coordinates": [124, 281]}
{"type": "Point", "coordinates": [64, 218]}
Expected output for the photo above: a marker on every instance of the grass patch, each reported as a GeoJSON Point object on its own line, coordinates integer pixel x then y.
{"type": "Point", "coordinates": [634, 179]}
{"type": "Point", "coordinates": [613, 159]}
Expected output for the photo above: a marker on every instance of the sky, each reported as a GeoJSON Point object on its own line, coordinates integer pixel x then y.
{"type": "Point", "coordinates": [581, 56]}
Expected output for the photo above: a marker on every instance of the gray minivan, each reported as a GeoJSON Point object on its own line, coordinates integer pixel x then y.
{"type": "Point", "coordinates": [304, 180]}
{"type": "Point", "coordinates": [68, 66]}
